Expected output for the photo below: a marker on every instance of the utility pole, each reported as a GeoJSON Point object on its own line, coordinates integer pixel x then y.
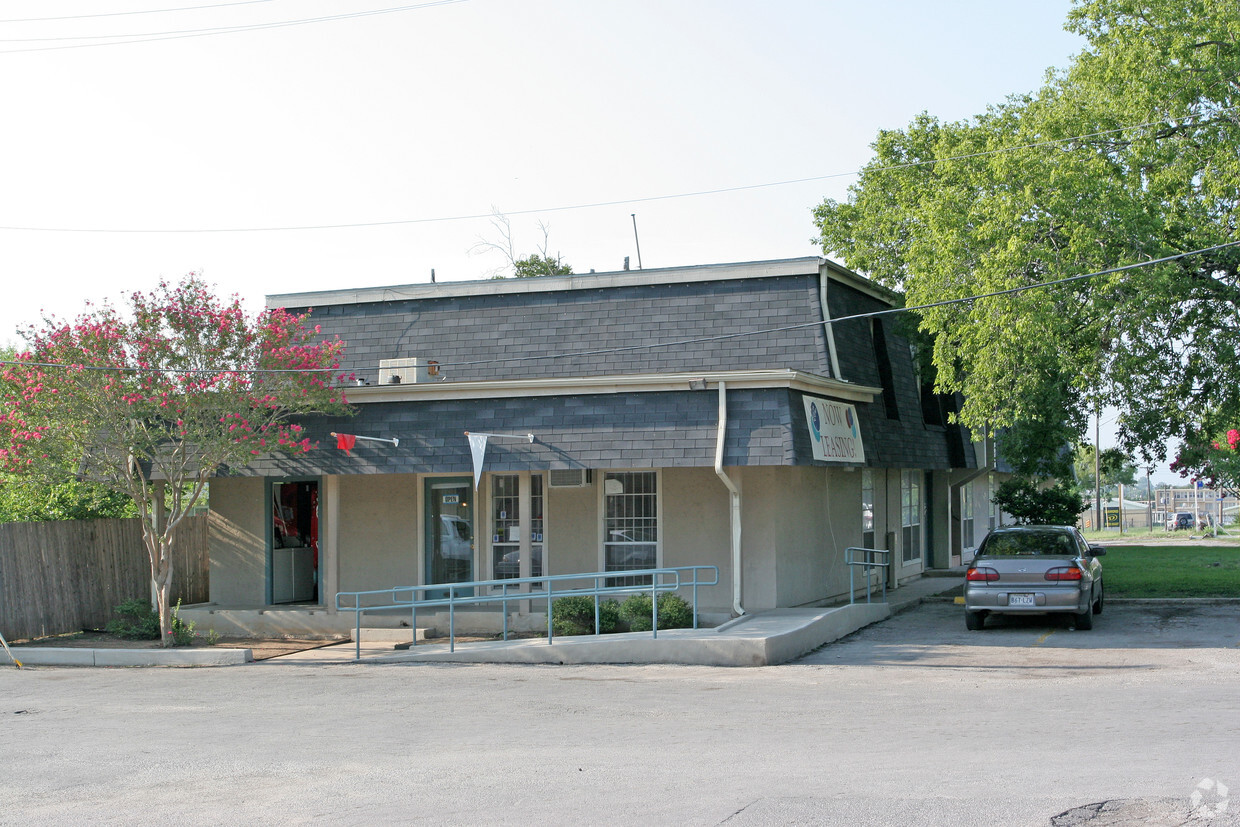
{"type": "Point", "coordinates": [1098, 466]}
{"type": "Point", "coordinates": [1149, 493]}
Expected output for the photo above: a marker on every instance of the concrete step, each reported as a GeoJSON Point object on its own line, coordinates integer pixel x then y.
{"type": "Point", "coordinates": [392, 635]}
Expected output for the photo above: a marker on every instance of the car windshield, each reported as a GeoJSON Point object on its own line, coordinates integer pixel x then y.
{"type": "Point", "coordinates": [1028, 542]}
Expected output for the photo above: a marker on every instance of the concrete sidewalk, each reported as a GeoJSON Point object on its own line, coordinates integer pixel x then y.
{"type": "Point", "coordinates": [761, 639]}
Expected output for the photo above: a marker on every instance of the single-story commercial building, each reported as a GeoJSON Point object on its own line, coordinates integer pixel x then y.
{"type": "Point", "coordinates": [753, 416]}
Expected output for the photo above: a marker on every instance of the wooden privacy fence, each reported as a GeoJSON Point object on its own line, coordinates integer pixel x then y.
{"type": "Point", "coordinates": [62, 577]}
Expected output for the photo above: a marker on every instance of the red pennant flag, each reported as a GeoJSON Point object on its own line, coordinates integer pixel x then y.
{"type": "Point", "coordinates": [345, 442]}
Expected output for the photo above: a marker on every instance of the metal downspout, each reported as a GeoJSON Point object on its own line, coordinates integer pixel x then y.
{"type": "Point", "coordinates": [735, 497]}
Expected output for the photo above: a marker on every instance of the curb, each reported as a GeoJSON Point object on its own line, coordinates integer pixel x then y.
{"type": "Point", "coordinates": [69, 656]}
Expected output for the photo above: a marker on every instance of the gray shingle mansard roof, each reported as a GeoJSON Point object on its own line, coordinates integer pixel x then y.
{"type": "Point", "coordinates": [491, 330]}
{"type": "Point", "coordinates": [467, 327]}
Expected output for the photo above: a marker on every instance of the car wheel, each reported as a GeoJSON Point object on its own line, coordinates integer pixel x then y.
{"type": "Point", "coordinates": [974, 621]}
{"type": "Point", "coordinates": [1085, 620]}
{"type": "Point", "coordinates": [1101, 597]}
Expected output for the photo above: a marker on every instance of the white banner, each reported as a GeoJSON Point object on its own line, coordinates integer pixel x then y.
{"type": "Point", "coordinates": [833, 430]}
{"type": "Point", "coordinates": [477, 447]}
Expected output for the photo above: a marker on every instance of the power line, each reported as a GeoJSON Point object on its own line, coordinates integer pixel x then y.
{"type": "Point", "coordinates": [113, 40]}
{"type": "Point", "coordinates": [131, 13]}
{"type": "Point", "coordinates": [589, 205]}
{"type": "Point", "coordinates": [854, 317]}
{"type": "Point", "coordinates": [680, 342]}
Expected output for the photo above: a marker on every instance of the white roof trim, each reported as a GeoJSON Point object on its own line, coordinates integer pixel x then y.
{"type": "Point", "coordinates": [635, 383]}
{"type": "Point", "coordinates": [809, 265]}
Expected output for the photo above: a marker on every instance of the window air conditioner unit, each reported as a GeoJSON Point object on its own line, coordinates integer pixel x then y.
{"type": "Point", "coordinates": [570, 477]}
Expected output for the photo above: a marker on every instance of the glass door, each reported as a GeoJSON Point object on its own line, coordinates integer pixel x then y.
{"type": "Point", "coordinates": [449, 532]}
{"type": "Point", "coordinates": [294, 555]}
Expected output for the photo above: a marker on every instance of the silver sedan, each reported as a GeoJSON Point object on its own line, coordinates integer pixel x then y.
{"type": "Point", "coordinates": [1035, 569]}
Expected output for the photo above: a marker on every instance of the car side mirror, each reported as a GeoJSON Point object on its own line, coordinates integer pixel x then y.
{"type": "Point", "coordinates": [1097, 551]}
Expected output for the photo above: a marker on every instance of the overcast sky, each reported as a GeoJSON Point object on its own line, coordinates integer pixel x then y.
{"type": "Point", "coordinates": [191, 147]}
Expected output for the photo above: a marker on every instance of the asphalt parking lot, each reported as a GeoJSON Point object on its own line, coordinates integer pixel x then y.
{"type": "Point", "coordinates": [913, 720]}
{"type": "Point", "coordinates": [935, 631]}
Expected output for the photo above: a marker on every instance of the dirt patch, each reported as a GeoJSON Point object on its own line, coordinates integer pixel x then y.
{"type": "Point", "coordinates": [262, 648]}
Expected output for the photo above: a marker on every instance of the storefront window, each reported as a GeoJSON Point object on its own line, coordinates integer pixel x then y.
{"type": "Point", "coordinates": [631, 524]}
{"type": "Point", "coordinates": [506, 527]}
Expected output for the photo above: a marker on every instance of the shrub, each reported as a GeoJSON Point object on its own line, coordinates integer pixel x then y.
{"type": "Point", "coordinates": [136, 620]}
{"type": "Point", "coordinates": [674, 612]}
{"type": "Point", "coordinates": [574, 615]}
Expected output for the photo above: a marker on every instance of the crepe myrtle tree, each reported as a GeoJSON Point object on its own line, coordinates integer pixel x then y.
{"type": "Point", "coordinates": [1216, 462]}
{"type": "Point", "coordinates": [164, 396]}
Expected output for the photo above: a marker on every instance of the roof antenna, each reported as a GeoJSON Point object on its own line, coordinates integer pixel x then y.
{"type": "Point", "coordinates": [432, 275]}
{"type": "Point", "coordinates": [633, 215]}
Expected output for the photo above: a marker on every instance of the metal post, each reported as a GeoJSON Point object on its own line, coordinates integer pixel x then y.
{"type": "Point", "coordinates": [654, 605]}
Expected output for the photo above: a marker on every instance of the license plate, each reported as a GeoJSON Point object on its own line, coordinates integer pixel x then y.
{"type": "Point", "coordinates": [1020, 600]}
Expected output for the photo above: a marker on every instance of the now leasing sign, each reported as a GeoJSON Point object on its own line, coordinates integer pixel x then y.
{"type": "Point", "coordinates": [833, 430]}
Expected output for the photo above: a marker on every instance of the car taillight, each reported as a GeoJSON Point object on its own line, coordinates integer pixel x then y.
{"type": "Point", "coordinates": [1064, 573]}
{"type": "Point", "coordinates": [983, 574]}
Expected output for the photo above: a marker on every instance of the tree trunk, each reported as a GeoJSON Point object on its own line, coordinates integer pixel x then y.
{"type": "Point", "coordinates": [159, 550]}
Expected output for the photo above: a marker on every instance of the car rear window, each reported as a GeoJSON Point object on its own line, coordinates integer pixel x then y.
{"type": "Point", "coordinates": [1028, 542]}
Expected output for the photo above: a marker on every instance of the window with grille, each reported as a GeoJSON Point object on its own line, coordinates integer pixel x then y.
{"type": "Point", "coordinates": [910, 511]}
{"type": "Point", "coordinates": [630, 524]}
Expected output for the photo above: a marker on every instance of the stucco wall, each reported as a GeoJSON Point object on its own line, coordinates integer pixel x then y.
{"type": "Point", "coordinates": [378, 531]}
{"type": "Point", "coordinates": [238, 542]}
{"type": "Point", "coordinates": [798, 521]}
{"type": "Point", "coordinates": [697, 529]}
{"type": "Point", "coordinates": [572, 529]}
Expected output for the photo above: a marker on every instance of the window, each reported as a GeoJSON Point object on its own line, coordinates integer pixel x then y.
{"type": "Point", "coordinates": [910, 515]}
{"type": "Point", "coordinates": [966, 516]}
{"type": "Point", "coordinates": [883, 360]}
{"type": "Point", "coordinates": [630, 524]}
{"type": "Point", "coordinates": [506, 526]}
{"type": "Point", "coordinates": [867, 508]}
{"type": "Point", "coordinates": [992, 509]}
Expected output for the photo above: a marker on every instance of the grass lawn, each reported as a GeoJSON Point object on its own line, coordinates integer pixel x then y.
{"type": "Point", "coordinates": [1172, 571]}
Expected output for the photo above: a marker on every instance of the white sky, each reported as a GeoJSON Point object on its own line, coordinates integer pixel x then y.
{"type": "Point", "coordinates": [451, 109]}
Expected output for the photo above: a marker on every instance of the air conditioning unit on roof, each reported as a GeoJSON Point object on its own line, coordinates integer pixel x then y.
{"type": "Point", "coordinates": [570, 477]}
{"type": "Point", "coordinates": [407, 371]}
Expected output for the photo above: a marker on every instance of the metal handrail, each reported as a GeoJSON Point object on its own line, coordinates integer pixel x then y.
{"type": "Point", "coordinates": [668, 579]}
{"type": "Point", "coordinates": [869, 563]}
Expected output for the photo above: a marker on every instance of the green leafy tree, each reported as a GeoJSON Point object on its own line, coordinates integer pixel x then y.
{"type": "Point", "coordinates": [540, 265]}
{"type": "Point", "coordinates": [1031, 503]}
{"type": "Point", "coordinates": [1130, 154]}
{"type": "Point", "coordinates": [1216, 463]}
{"type": "Point", "coordinates": [1116, 468]}
{"type": "Point", "coordinates": [25, 499]}
{"type": "Point", "coordinates": [153, 404]}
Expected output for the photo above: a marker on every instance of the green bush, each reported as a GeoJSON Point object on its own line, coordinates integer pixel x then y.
{"type": "Point", "coordinates": [136, 620]}
{"type": "Point", "coordinates": [574, 615]}
{"type": "Point", "coordinates": [674, 612]}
